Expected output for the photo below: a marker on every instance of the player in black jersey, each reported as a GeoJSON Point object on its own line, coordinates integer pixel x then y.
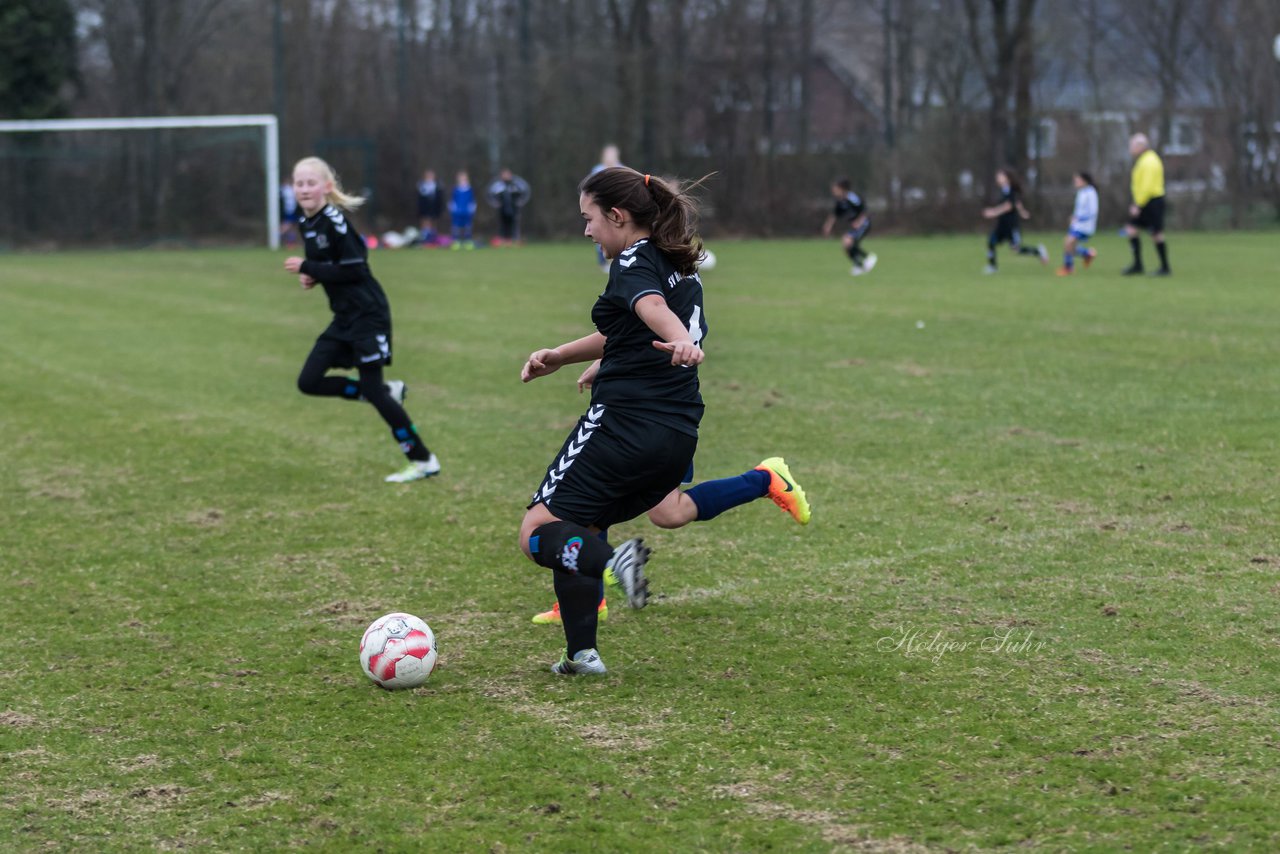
{"type": "Point", "coordinates": [632, 449]}
{"type": "Point", "coordinates": [360, 335]}
{"type": "Point", "coordinates": [1006, 213]}
{"type": "Point", "coordinates": [849, 207]}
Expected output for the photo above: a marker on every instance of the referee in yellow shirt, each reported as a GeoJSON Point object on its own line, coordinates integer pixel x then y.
{"type": "Point", "coordinates": [1147, 210]}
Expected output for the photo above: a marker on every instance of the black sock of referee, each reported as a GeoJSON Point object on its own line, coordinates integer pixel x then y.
{"type": "Point", "coordinates": [1136, 245]}
{"type": "Point", "coordinates": [1163, 252]}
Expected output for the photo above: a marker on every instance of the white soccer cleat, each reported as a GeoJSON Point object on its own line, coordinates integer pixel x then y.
{"type": "Point", "coordinates": [585, 663]}
{"type": "Point", "coordinates": [869, 263]}
{"type": "Point", "coordinates": [1042, 254]}
{"type": "Point", "coordinates": [416, 470]}
{"type": "Point", "coordinates": [397, 390]}
{"type": "Point", "coordinates": [989, 270]}
{"type": "Point", "coordinates": [626, 570]}
{"type": "Point", "coordinates": [857, 270]}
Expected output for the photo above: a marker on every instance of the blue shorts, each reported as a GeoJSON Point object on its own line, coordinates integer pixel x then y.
{"type": "Point", "coordinates": [1079, 235]}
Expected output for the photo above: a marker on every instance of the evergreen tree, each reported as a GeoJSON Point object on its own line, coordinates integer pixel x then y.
{"type": "Point", "coordinates": [37, 57]}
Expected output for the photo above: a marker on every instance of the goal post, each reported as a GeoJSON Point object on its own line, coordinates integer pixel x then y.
{"type": "Point", "coordinates": [270, 143]}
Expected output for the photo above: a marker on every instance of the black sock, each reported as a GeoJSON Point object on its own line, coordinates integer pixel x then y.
{"type": "Point", "coordinates": [411, 444]}
{"type": "Point", "coordinates": [577, 559]}
{"type": "Point", "coordinates": [579, 596]}
{"type": "Point", "coordinates": [1163, 252]}
{"type": "Point", "coordinates": [1136, 245]}
{"type": "Point", "coordinates": [566, 547]}
{"type": "Point", "coordinates": [991, 255]}
{"type": "Point", "coordinates": [375, 391]}
{"type": "Point", "coordinates": [1028, 250]}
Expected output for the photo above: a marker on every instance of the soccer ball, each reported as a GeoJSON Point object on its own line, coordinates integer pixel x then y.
{"type": "Point", "coordinates": [398, 651]}
{"type": "Point", "coordinates": [708, 260]}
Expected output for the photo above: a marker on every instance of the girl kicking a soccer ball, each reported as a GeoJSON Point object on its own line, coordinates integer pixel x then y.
{"type": "Point", "coordinates": [634, 446]}
{"type": "Point", "coordinates": [359, 337]}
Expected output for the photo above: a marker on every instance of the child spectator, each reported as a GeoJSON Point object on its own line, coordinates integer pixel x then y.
{"type": "Point", "coordinates": [430, 206]}
{"type": "Point", "coordinates": [462, 212]}
{"type": "Point", "coordinates": [508, 194]}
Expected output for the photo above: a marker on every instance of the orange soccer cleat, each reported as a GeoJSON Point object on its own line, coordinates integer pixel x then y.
{"type": "Point", "coordinates": [552, 617]}
{"type": "Point", "coordinates": [784, 491]}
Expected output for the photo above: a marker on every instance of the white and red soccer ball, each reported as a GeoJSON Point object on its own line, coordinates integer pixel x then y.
{"type": "Point", "coordinates": [398, 651]}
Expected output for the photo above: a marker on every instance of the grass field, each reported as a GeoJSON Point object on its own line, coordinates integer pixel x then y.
{"type": "Point", "coordinates": [1038, 605]}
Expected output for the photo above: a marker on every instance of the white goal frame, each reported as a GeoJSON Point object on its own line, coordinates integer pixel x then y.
{"type": "Point", "coordinates": [270, 143]}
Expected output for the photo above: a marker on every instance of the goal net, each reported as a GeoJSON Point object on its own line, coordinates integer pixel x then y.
{"type": "Point", "coordinates": [181, 180]}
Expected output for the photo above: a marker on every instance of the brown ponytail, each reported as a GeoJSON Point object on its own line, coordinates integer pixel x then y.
{"type": "Point", "coordinates": [664, 208]}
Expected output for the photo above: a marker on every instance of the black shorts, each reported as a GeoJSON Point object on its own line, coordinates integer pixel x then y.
{"type": "Point", "coordinates": [614, 467]}
{"type": "Point", "coordinates": [338, 351]}
{"type": "Point", "coordinates": [1150, 216]}
{"type": "Point", "coordinates": [859, 232]}
{"type": "Point", "coordinates": [1005, 233]}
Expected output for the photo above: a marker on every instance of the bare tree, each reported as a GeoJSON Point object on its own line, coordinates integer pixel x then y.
{"type": "Point", "coordinates": [776, 95]}
{"type": "Point", "coordinates": [1166, 35]}
{"type": "Point", "coordinates": [1245, 80]}
{"type": "Point", "coordinates": [999, 36]}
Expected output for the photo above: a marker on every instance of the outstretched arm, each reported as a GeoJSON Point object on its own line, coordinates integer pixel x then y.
{"type": "Point", "coordinates": [652, 309]}
{"type": "Point", "coordinates": [548, 361]}
{"type": "Point", "coordinates": [993, 212]}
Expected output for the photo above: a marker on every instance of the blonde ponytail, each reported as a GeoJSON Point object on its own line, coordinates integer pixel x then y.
{"type": "Point", "coordinates": [336, 196]}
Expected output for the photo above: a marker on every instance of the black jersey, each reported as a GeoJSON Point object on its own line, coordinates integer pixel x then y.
{"type": "Point", "coordinates": [430, 199]}
{"type": "Point", "coordinates": [850, 207]}
{"type": "Point", "coordinates": [636, 377]}
{"type": "Point", "coordinates": [1008, 220]}
{"type": "Point", "coordinates": [338, 259]}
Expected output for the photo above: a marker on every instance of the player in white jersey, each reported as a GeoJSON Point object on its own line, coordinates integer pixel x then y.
{"type": "Point", "coordinates": [1084, 222]}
